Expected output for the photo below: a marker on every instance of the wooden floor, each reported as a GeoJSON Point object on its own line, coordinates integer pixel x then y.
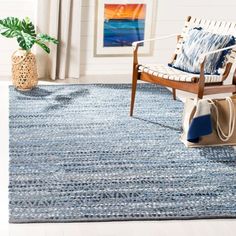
{"type": "Point", "coordinates": [148, 228]}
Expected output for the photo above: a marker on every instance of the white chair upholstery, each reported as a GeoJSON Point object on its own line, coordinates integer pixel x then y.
{"type": "Point", "coordinates": [170, 73]}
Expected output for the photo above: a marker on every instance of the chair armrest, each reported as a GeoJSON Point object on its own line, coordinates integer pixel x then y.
{"type": "Point", "coordinates": [202, 57]}
{"type": "Point", "coordinates": [136, 44]}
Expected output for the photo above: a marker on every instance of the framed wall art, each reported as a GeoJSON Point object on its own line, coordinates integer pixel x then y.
{"type": "Point", "coordinates": [121, 22]}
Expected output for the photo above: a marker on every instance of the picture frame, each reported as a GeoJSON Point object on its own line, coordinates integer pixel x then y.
{"type": "Point", "coordinates": [121, 22]}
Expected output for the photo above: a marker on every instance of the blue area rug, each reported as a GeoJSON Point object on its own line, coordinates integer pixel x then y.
{"type": "Point", "coordinates": [76, 155]}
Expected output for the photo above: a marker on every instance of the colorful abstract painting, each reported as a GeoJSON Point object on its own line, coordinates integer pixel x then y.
{"type": "Point", "coordinates": [119, 23]}
{"type": "Point", "coordinates": [123, 24]}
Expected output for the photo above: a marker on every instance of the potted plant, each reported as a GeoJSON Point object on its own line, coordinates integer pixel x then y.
{"type": "Point", "coordinates": [24, 67]}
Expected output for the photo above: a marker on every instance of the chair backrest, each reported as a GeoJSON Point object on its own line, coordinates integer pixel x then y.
{"type": "Point", "coordinates": [217, 27]}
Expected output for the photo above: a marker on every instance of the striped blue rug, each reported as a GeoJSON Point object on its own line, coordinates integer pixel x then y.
{"type": "Point", "coordinates": [76, 155]}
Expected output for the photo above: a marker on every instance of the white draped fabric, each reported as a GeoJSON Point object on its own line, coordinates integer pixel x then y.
{"type": "Point", "coordinates": [60, 19]}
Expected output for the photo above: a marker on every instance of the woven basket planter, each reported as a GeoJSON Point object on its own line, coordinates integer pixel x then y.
{"type": "Point", "coordinates": [24, 70]}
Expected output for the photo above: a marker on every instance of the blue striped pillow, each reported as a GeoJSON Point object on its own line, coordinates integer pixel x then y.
{"type": "Point", "coordinates": [197, 42]}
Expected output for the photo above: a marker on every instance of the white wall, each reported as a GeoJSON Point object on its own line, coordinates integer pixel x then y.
{"type": "Point", "coordinates": [170, 18]}
{"type": "Point", "coordinates": [17, 8]}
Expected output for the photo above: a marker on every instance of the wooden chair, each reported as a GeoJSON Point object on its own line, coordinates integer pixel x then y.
{"type": "Point", "coordinates": [176, 79]}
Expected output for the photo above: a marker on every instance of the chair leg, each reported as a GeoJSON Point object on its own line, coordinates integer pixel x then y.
{"type": "Point", "coordinates": [174, 93]}
{"type": "Point", "coordinates": [201, 82]}
{"type": "Point", "coordinates": [133, 93]}
{"type": "Point", "coordinates": [200, 91]}
{"type": "Point", "coordinates": [200, 95]}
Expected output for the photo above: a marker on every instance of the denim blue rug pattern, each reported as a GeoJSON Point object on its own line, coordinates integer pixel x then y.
{"type": "Point", "coordinates": [76, 155]}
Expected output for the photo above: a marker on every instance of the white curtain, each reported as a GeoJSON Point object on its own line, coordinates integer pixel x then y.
{"type": "Point", "coordinates": [60, 19]}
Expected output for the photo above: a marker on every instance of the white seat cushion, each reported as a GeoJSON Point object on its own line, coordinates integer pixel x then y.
{"type": "Point", "coordinates": [167, 72]}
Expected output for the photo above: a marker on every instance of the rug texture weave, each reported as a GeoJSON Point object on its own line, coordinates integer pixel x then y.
{"type": "Point", "coordinates": [76, 155]}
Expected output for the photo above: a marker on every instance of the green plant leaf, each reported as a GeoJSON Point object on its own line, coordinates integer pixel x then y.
{"type": "Point", "coordinates": [25, 41]}
{"type": "Point", "coordinates": [27, 19]}
{"type": "Point", "coordinates": [10, 27]}
{"type": "Point", "coordinates": [46, 38]}
{"type": "Point", "coordinates": [43, 46]}
{"type": "Point", "coordinates": [28, 27]}
{"type": "Point", "coordinates": [24, 31]}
